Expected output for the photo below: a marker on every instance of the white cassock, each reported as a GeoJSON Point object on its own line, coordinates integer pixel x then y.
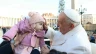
{"type": "Point", "coordinates": [93, 47]}
{"type": "Point", "coordinates": [74, 42]}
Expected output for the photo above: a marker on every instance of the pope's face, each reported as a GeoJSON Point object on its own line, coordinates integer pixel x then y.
{"type": "Point", "coordinates": [62, 23]}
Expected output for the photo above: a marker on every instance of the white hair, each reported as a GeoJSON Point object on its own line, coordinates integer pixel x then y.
{"type": "Point", "coordinates": [71, 21]}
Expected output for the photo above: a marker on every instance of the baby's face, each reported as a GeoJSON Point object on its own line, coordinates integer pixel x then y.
{"type": "Point", "coordinates": [38, 26]}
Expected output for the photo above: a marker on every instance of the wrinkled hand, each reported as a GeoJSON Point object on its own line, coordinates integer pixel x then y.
{"type": "Point", "coordinates": [45, 50]}
{"type": "Point", "coordinates": [12, 46]}
{"type": "Point", "coordinates": [45, 27]}
{"type": "Point", "coordinates": [37, 43]}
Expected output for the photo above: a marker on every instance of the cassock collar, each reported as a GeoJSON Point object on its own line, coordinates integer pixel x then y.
{"type": "Point", "coordinates": [71, 33]}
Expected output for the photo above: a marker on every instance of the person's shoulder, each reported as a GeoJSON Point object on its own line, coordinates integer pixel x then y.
{"type": "Point", "coordinates": [93, 48]}
{"type": "Point", "coordinates": [80, 40]}
{"type": "Point", "coordinates": [93, 44]}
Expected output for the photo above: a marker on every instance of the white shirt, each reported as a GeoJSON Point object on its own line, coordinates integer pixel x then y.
{"type": "Point", "coordinates": [74, 42]}
{"type": "Point", "coordinates": [93, 47]}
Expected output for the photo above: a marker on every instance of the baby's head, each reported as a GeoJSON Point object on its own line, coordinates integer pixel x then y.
{"type": "Point", "coordinates": [36, 20]}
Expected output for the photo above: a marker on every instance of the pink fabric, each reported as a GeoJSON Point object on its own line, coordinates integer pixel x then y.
{"type": "Point", "coordinates": [27, 50]}
{"type": "Point", "coordinates": [23, 27]}
{"type": "Point", "coordinates": [22, 49]}
{"type": "Point", "coordinates": [11, 33]}
{"type": "Point", "coordinates": [33, 39]}
{"type": "Point", "coordinates": [36, 17]}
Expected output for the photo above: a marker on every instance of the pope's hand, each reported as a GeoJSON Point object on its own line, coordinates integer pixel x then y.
{"type": "Point", "coordinates": [45, 26]}
{"type": "Point", "coordinates": [45, 49]}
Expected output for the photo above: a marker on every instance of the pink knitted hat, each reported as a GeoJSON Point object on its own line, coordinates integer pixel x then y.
{"type": "Point", "coordinates": [35, 17]}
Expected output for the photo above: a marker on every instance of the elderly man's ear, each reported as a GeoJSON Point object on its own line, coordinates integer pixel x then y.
{"type": "Point", "coordinates": [72, 26]}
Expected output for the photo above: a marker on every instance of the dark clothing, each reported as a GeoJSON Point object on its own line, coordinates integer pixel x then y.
{"type": "Point", "coordinates": [35, 51]}
{"type": "Point", "coordinates": [4, 30]}
{"type": "Point", "coordinates": [4, 42]}
{"type": "Point", "coordinates": [92, 39]}
{"type": "Point", "coordinates": [53, 51]}
{"type": "Point", "coordinates": [5, 48]}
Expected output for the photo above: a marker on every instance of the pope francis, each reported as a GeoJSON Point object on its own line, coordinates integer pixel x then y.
{"type": "Point", "coordinates": [71, 37]}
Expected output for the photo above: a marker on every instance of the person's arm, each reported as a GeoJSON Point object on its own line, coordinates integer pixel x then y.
{"type": "Point", "coordinates": [45, 50]}
{"type": "Point", "coordinates": [48, 30]}
{"type": "Point", "coordinates": [50, 33]}
{"type": "Point", "coordinates": [10, 34]}
{"type": "Point", "coordinates": [41, 42]}
{"type": "Point", "coordinates": [79, 50]}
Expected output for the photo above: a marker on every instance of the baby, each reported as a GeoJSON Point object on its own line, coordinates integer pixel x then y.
{"type": "Point", "coordinates": [26, 32]}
